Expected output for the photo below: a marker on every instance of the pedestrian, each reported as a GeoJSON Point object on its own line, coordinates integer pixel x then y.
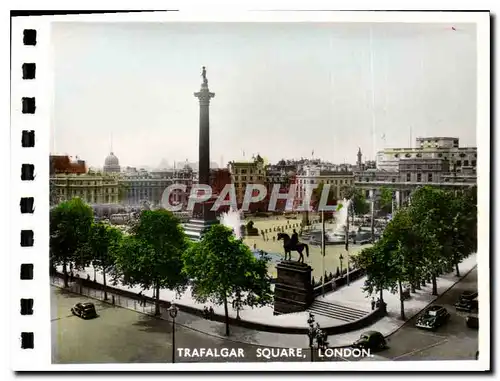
{"type": "Point", "coordinates": [88, 277]}
{"type": "Point", "coordinates": [140, 298]}
{"type": "Point", "coordinates": [113, 299]}
{"type": "Point", "coordinates": [71, 276]}
{"type": "Point", "coordinates": [377, 303]}
{"type": "Point", "coordinates": [373, 303]}
{"type": "Point", "coordinates": [211, 311]}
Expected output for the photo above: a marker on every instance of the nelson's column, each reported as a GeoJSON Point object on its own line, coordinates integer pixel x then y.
{"type": "Point", "coordinates": [203, 217]}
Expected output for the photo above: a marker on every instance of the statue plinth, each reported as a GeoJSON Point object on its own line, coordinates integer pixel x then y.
{"type": "Point", "coordinates": [293, 291]}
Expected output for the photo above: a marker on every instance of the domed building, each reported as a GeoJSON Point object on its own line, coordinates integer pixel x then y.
{"type": "Point", "coordinates": [111, 164]}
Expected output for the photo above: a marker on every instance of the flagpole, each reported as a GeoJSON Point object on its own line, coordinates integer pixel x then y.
{"type": "Point", "coordinates": [323, 250]}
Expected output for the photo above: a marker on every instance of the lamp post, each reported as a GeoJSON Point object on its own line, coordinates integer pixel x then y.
{"type": "Point", "coordinates": [315, 333]}
{"type": "Point", "coordinates": [173, 310]}
{"type": "Point", "coordinates": [310, 333]}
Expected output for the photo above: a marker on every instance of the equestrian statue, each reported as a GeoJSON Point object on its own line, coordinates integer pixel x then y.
{"type": "Point", "coordinates": [293, 244]}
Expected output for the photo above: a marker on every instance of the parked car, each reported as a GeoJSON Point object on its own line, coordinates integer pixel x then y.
{"type": "Point", "coordinates": [370, 340]}
{"type": "Point", "coordinates": [467, 301]}
{"type": "Point", "coordinates": [433, 318]}
{"type": "Point", "coordinates": [472, 321]}
{"type": "Point", "coordinates": [84, 310]}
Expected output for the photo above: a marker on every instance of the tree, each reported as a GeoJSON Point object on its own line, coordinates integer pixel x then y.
{"type": "Point", "coordinates": [222, 267]}
{"type": "Point", "coordinates": [359, 203]}
{"type": "Point", "coordinates": [103, 241]}
{"type": "Point", "coordinates": [463, 226]}
{"type": "Point", "coordinates": [377, 265]}
{"type": "Point", "coordinates": [70, 224]}
{"type": "Point", "coordinates": [152, 255]}
{"type": "Point", "coordinates": [429, 213]}
{"type": "Point", "coordinates": [385, 200]}
{"type": "Point", "coordinates": [404, 245]}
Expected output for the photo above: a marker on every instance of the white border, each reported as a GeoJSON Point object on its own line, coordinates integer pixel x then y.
{"type": "Point", "coordinates": [40, 357]}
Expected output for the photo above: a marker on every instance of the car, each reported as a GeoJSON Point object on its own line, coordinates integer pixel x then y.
{"type": "Point", "coordinates": [433, 318]}
{"type": "Point", "coordinates": [372, 340]}
{"type": "Point", "coordinates": [472, 321]}
{"type": "Point", "coordinates": [467, 301]}
{"type": "Point", "coordinates": [84, 310]}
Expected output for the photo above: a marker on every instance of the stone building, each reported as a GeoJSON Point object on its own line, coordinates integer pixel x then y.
{"type": "Point", "coordinates": [315, 174]}
{"type": "Point", "coordinates": [446, 148]}
{"type": "Point", "coordinates": [138, 187]}
{"type": "Point", "coordinates": [247, 172]}
{"type": "Point", "coordinates": [90, 187]}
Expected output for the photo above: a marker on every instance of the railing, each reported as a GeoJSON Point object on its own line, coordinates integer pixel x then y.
{"type": "Point", "coordinates": [336, 283]}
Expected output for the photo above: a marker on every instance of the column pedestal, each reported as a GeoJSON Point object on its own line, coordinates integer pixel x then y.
{"type": "Point", "coordinates": [203, 219]}
{"type": "Point", "coordinates": [293, 291]}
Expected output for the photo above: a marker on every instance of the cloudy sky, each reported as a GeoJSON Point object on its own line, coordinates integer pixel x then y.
{"type": "Point", "coordinates": [282, 89]}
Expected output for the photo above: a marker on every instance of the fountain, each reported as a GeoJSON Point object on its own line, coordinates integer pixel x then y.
{"type": "Point", "coordinates": [232, 219]}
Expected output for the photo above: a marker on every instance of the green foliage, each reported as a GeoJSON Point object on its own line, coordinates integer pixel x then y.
{"type": "Point", "coordinates": [103, 241]}
{"type": "Point", "coordinates": [70, 225]}
{"type": "Point", "coordinates": [316, 196]}
{"type": "Point", "coordinates": [377, 264]}
{"type": "Point", "coordinates": [359, 202]}
{"type": "Point", "coordinates": [158, 232]}
{"type": "Point", "coordinates": [385, 200]}
{"type": "Point", "coordinates": [438, 229]}
{"type": "Point", "coordinates": [222, 267]}
{"type": "Point", "coordinates": [136, 260]}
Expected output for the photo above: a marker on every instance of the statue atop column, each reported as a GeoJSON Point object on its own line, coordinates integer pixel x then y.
{"type": "Point", "coordinates": [204, 75]}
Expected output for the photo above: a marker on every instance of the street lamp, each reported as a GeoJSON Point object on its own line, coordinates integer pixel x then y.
{"type": "Point", "coordinates": [311, 334]}
{"type": "Point", "coordinates": [315, 333]}
{"type": "Point", "coordinates": [173, 310]}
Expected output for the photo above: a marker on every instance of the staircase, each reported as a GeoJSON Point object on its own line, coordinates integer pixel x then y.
{"type": "Point", "coordinates": [336, 311]}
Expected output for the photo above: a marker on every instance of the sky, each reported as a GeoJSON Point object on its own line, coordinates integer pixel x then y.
{"type": "Point", "coordinates": [282, 90]}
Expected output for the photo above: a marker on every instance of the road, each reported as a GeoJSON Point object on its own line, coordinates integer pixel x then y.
{"type": "Point", "coordinates": [120, 335]}
{"type": "Point", "coordinates": [453, 341]}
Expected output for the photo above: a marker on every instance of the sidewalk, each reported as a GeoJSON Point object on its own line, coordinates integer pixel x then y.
{"type": "Point", "coordinates": [351, 296]}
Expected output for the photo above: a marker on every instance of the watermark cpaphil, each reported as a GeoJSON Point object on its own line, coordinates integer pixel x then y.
{"type": "Point", "coordinates": [254, 193]}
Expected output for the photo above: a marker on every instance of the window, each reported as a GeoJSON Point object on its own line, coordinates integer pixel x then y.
{"type": "Point", "coordinates": [407, 155]}
{"type": "Point", "coordinates": [419, 155]}
{"type": "Point", "coordinates": [463, 154]}
{"type": "Point", "coordinates": [429, 177]}
{"type": "Point", "coordinates": [408, 177]}
{"type": "Point", "coordinates": [459, 163]}
{"type": "Point", "coordinates": [440, 155]}
{"type": "Point", "coordinates": [455, 143]}
{"type": "Point", "coordinates": [466, 163]}
{"type": "Point", "coordinates": [419, 177]}
{"type": "Point", "coordinates": [396, 155]}
{"type": "Point", "coordinates": [473, 163]}
{"type": "Point", "coordinates": [393, 180]}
